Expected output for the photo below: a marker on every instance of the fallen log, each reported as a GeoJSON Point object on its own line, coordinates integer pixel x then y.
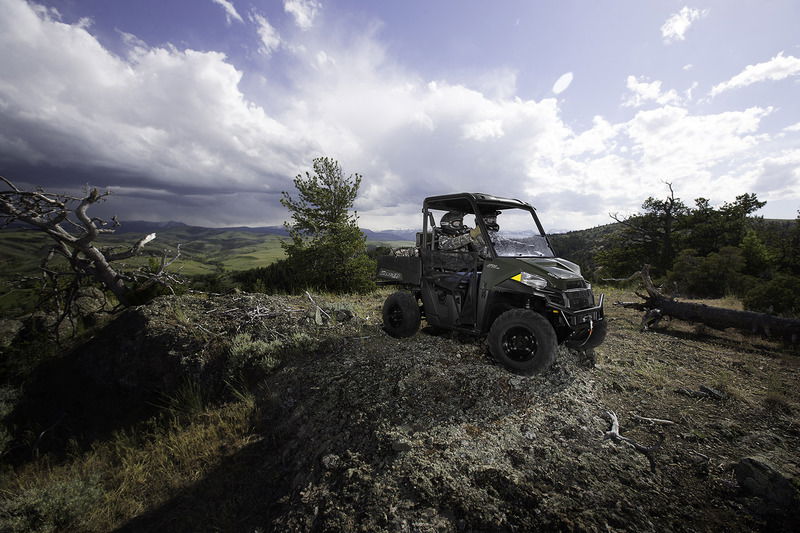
{"type": "Point", "coordinates": [718, 318]}
{"type": "Point", "coordinates": [770, 326]}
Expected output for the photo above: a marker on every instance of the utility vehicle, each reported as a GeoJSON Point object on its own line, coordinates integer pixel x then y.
{"type": "Point", "coordinates": [507, 283]}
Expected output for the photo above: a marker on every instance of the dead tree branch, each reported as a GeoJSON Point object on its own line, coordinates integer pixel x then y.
{"type": "Point", "coordinates": [615, 436]}
{"type": "Point", "coordinates": [66, 220]}
{"type": "Point", "coordinates": [321, 310]}
{"type": "Point", "coordinates": [654, 421]}
{"type": "Point", "coordinates": [703, 392]}
{"type": "Point", "coordinates": [632, 277]}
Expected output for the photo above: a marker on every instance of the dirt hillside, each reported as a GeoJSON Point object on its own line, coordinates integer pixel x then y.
{"type": "Point", "coordinates": [363, 432]}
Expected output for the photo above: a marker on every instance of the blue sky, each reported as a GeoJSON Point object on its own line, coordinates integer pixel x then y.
{"type": "Point", "coordinates": [204, 110]}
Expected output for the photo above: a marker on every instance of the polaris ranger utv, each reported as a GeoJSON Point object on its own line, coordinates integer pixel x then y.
{"type": "Point", "coordinates": [506, 282]}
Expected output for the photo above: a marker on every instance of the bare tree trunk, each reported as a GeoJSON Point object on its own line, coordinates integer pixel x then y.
{"type": "Point", "coordinates": [717, 317]}
{"type": "Point", "coordinates": [74, 233]}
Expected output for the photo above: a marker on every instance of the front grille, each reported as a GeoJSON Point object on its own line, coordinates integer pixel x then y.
{"type": "Point", "coordinates": [579, 299]}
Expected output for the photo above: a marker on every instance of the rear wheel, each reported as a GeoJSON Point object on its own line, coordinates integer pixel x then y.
{"type": "Point", "coordinates": [523, 341]}
{"type": "Point", "coordinates": [401, 316]}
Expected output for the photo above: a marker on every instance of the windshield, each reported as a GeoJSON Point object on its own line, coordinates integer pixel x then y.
{"type": "Point", "coordinates": [518, 235]}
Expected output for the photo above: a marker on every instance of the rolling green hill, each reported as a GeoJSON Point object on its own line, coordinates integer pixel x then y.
{"type": "Point", "coordinates": [203, 250]}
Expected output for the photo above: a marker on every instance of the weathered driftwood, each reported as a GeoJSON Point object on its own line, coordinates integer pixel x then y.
{"type": "Point", "coordinates": [657, 306]}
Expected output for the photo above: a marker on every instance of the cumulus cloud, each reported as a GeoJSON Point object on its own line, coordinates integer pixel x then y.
{"type": "Point", "coordinates": [166, 115]}
{"type": "Point", "coordinates": [679, 143]}
{"type": "Point", "coordinates": [778, 175]}
{"type": "Point", "coordinates": [484, 129]}
{"type": "Point", "coordinates": [270, 40]}
{"type": "Point", "coordinates": [230, 11]}
{"type": "Point", "coordinates": [793, 127]}
{"type": "Point", "coordinates": [688, 92]}
{"type": "Point", "coordinates": [778, 68]}
{"type": "Point", "coordinates": [437, 135]}
{"type": "Point", "coordinates": [597, 139]}
{"type": "Point", "coordinates": [303, 11]}
{"type": "Point", "coordinates": [643, 92]}
{"type": "Point", "coordinates": [562, 83]}
{"type": "Point", "coordinates": [675, 28]}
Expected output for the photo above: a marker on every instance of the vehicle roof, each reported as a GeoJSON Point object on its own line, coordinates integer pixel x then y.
{"type": "Point", "coordinates": [462, 201]}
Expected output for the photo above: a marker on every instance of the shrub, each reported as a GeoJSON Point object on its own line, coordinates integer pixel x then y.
{"type": "Point", "coordinates": [248, 354]}
{"type": "Point", "coordinates": [780, 295]}
{"type": "Point", "coordinates": [217, 282]}
{"type": "Point", "coordinates": [755, 253]}
{"type": "Point", "coordinates": [278, 277]}
{"type": "Point", "coordinates": [712, 276]}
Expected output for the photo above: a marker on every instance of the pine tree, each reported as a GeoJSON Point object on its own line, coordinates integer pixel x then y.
{"type": "Point", "coordinates": [327, 249]}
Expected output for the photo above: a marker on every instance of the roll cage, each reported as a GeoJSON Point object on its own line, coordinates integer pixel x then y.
{"type": "Point", "coordinates": [470, 203]}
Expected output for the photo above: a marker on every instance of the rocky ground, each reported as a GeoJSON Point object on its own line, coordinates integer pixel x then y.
{"type": "Point", "coordinates": [427, 435]}
{"type": "Point", "coordinates": [356, 431]}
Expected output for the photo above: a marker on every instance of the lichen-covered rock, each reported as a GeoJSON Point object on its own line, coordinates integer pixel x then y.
{"type": "Point", "coordinates": [761, 478]}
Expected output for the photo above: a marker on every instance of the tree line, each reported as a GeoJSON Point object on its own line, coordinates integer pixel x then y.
{"type": "Point", "coordinates": [699, 250]}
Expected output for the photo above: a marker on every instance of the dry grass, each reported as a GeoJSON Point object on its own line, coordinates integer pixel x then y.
{"type": "Point", "coordinates": [119, 479]}
{"type": "Point", "coordinates": [643, 372]}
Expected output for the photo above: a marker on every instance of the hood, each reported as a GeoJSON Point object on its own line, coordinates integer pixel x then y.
{"type": "Point", "coordinates": [555, 268]}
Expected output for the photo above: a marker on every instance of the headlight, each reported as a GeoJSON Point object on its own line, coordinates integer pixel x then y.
{"type": "Point", "coordinates": [531, 280]}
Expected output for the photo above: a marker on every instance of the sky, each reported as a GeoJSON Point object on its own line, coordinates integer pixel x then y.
{"type": "Point", "coordinates": [204, 111]}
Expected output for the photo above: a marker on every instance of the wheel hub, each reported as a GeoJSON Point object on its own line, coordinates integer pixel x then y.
{"type": "Point", "coordinates": [519, 344]}
{"type": "Point", "coordinates": [396, 316]}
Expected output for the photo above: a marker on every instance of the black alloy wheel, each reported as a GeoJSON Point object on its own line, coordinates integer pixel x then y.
{"type": "Point", "coordinates": [523, 341]}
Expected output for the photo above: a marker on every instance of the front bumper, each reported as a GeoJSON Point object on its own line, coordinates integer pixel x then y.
{"type": "Point", "coordinates": [578, 317]}
{"type": "Point", "coordinates": [588, 325]}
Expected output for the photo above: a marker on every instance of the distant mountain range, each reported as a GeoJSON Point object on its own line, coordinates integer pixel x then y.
{"type": "Point", "coordinates": [141, 226]}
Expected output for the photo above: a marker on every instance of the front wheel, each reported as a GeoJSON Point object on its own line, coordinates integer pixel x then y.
{"type": "Point", "coordinates": [401, 316]}
{"type": "Point", "coordinates": [523, 341]}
